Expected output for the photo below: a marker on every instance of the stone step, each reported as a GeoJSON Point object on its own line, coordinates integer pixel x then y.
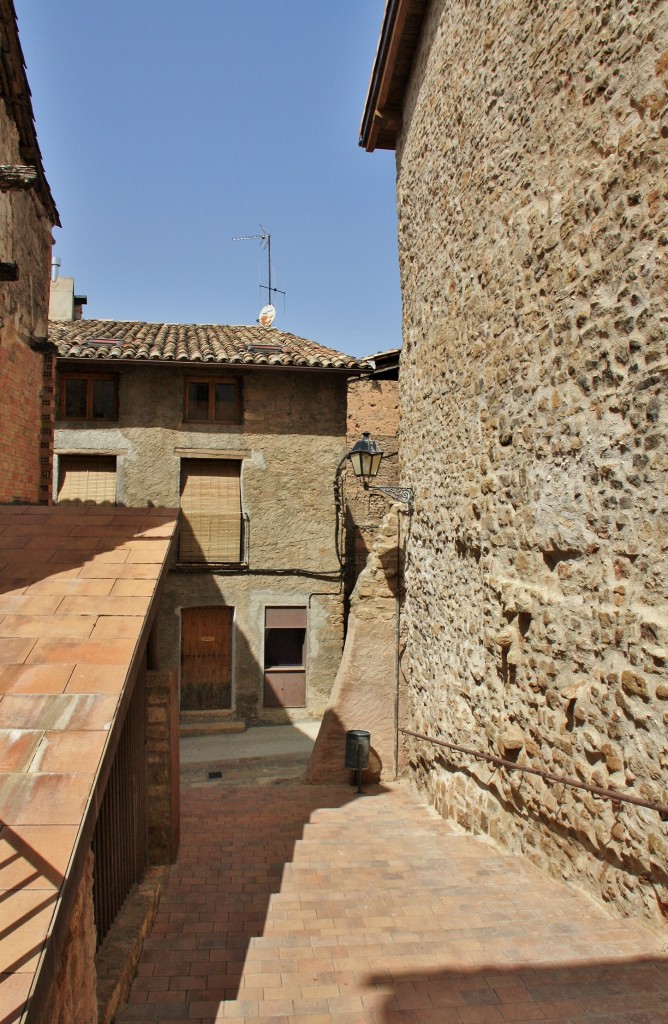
{"type": "Point", "coordinates": [212, 729]}
{"type": "Point", "coordinates": [200, 716]}
{"type": "Point", "coordinates": [208, 723]}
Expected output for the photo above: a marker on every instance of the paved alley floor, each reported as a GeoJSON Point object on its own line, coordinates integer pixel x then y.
{"type": "Point", "coordinates": [296, 904]}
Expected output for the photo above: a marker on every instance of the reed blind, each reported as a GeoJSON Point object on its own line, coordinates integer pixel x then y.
{"type": "Point", "coordinates": [211, 506]}
{"type": "Point", "coordinates": [87, 480]}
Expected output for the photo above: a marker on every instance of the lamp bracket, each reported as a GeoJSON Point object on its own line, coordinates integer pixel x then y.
{"type": "Point", "coordinates": [405, 495]}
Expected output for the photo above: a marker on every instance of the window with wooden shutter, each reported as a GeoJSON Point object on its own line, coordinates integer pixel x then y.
{"type": "Point", "coordinates": [87, 479]}
{"type": "Point", "coordinates": [211, 507]}
{"type": "Point", "coordinates": [285, 657]}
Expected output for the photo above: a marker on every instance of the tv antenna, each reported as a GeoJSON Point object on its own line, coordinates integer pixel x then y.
{"type": "Point", "coordinates": [268, 312]}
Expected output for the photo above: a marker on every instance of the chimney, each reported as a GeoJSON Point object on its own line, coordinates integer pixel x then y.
{"type": "Point", "coordinates": [63, 303]}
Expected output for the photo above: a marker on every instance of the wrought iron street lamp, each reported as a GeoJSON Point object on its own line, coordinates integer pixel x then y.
{"type": "Point", "coordinates": [365, 458]}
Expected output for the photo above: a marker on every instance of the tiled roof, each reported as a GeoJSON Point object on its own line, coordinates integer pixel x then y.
{"type": "Point", "coordinates": [77, 587]}
{"type": "Point", "coordinates": [194, 343]}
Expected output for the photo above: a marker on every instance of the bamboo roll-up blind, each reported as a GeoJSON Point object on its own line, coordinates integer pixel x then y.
{"type": "Point", "coordinates": [89, 479]}
{"type": "Point", "coordinates": [211, 506]}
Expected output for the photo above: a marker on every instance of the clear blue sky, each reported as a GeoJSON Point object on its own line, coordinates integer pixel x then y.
{"type": "Point", "coordinates": [166, 128]}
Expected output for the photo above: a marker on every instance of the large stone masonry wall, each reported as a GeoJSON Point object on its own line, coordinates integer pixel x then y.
{"type": "Point", "coordinates": [533, 228]}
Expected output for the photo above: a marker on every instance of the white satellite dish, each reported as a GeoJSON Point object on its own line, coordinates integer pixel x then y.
{"type": "Point", "coordinates": [267, 314]}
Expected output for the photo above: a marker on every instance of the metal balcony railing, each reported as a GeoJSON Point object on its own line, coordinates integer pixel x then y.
{"type": "Point", "coordinates": [120, 840]}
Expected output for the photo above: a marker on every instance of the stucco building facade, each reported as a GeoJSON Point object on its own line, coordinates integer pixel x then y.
{"type": "Point", "coordinates": [532, 145]}
{"type": "Point", "coordinates": [242, 428]}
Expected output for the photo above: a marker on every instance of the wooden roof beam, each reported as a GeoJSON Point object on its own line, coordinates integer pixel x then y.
{"type": "Point", "coordinates": [17, 177]}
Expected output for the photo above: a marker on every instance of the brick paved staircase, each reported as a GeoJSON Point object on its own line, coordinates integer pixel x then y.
{"type": "Point", "coordinates": [296, 904]}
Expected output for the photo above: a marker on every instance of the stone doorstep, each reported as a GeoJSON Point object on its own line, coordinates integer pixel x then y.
{"type": "Point", "coordinates": [210, 728]}
{"type": "Point", "coordinates": [208, 723]}
{"type": "Point", "coordinates": [197, 716]}
{"type": "Point", "coordinates": [116, 961]}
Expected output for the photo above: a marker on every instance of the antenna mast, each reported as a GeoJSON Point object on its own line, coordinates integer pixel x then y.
{"type": "Point", "coordinates": [268, 312]}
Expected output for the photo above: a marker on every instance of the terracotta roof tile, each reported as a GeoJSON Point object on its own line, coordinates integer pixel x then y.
{"type": "Point", "coordinates": [194, 343]}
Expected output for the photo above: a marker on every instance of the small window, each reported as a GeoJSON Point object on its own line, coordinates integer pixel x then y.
{"type": "Point", "coordinates": [87, 479]}
{"type": "Point", "coordinates": [88, 396]}
{"type": "Point", "coordinates": [285, 657]}
{"type": "Point", "coordinates": [212, 401]}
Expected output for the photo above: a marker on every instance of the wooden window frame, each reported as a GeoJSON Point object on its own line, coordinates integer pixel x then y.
{"type": "Point", "coordinates": [90, 378]}
{"type": "Point", "coordinates": [211, 383]}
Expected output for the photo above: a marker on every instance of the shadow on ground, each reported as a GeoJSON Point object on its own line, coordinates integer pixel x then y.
{"type": "Point", "coordinates": [236, 843]}
{"type": "Point", "coordinates": [616, 992]}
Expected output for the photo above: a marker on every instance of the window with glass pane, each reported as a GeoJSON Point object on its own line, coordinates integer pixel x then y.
{"type": "Point", "coordinates": [104, 399]}
{"type": "Point", "coordinates": [76, 398]}
{"type": "Point", "coordinates": [198, 401]}
{"type": "Point", "coordinates": [88, 396]}
{"type": "Point", "coordinates": [225, 403]}
{"type": "Point", "coordinates": [285, 657]}
{"type": "Point", "coordinates": [212, 401]}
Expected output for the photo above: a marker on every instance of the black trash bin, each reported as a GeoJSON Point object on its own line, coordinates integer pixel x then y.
{"type": "Point", "coordinates": [358, 745]}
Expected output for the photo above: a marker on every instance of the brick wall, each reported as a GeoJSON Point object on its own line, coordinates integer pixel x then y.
{"type": "Point", "coordinates": [46, 429]}
{"type": "Point", "coordinates": [532, 223]}
{"type": "Point", "coordinates": [25, 239]}
{"type": "Point", "coordinates": [20, 421]}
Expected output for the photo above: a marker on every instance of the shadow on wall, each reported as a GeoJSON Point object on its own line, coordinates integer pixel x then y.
{"type": "Point", "coordinates": [327, 763]}
{"type": "Point", "coordinates": [432, 764]}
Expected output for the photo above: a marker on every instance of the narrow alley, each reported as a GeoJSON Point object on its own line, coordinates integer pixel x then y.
{"type": "Point", "coordinates": [310, 904]}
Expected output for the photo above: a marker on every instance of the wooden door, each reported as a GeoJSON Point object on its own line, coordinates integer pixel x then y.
{"type": "Point", "coordinates": [206, 658]}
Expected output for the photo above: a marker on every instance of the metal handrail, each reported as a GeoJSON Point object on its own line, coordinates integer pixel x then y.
{"type": "Point", "coordinates": [608, 794]}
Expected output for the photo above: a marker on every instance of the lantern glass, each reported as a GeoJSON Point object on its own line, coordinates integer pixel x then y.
{"type": "Point", "coordinates": [366, 458]}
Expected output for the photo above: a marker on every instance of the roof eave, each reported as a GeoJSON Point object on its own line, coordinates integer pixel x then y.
{"type": "Point", "coordinates": [116, 361]}
{"type": "Point", "coordinates": [399, 37]}
{"type": "Point", "coordinates": [19, 104]}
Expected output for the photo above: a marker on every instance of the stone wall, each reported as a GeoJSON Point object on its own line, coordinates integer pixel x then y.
{"type": "Point", "coordinates": [367, 692]}
{"type": "Point", "coordinates": [373, 405]}
{"type": "Point", "coordinates": [162, 766]}
{"type": "Point", "coordinates": [73, 998]}
{"type": "Point", "coordinates": [533, 229]}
